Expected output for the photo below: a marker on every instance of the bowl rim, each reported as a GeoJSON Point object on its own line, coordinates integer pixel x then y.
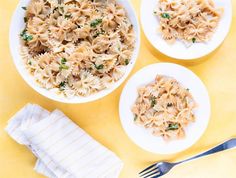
{"type": "Point", "coordinates": [17, 58]}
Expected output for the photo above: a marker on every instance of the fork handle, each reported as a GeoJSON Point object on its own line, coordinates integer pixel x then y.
{"type": "Point", "coordinates": [224, 146]}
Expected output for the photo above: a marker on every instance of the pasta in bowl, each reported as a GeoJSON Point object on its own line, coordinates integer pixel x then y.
{"type": "Point", "coordinates": [167, 111]}
{"type": "Point", "coordinates": [74, 51]}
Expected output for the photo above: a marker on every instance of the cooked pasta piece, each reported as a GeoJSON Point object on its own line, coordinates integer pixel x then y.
{"type": "Point", "coordinates": [188, 20]}
{"type": "Point", "coordinates": [165, 107]}
{"type": "Point", "coordinates": [76, 48]}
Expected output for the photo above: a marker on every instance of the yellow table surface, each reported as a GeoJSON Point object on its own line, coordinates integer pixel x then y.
{"type": "Point", "coordinates": [101, 120]}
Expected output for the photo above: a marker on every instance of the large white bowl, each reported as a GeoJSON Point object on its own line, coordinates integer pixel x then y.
{"type": "Point", "coordinates": [141, 136]}
{"type": "Point", "coordinates": [17, 25]}
{"type": "Point", "coordinates": [178, 50]}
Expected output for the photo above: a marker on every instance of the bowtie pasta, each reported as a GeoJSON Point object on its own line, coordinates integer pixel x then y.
{"type": "Point", "coordinates": [165, 107]}
{"type": "Point", "coordinates": [77, 47]}
{"type": "Point", "coordinates": [188, 20]}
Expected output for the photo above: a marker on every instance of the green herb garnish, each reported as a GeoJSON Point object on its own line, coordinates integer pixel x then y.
{"type": "Point", "coordinates": [153, 101]}
{"type": "Point", "coordinates": [194, 40]}
{"type": "Point", "coordinates": [135, 117]}
{"type": "Point", "coordinates": [62, 86]}
{"type": "Point", "coordinates": [126, 61]}
{"type": "Point", "coordinates": [63, 60]}
{"type": "Point", "coordinates": [24, 8]}
{"type": "Point", "coordinates": [62, 9]}
{"type": "Point", "coordinates": [63, 64]}
{"type": "Point", "coordinates": [67, 16]}
{"type": "Point", "coordinates": [26, 36]}
{"type": "Point", "coordinates": [25, 19]}
{"type": "Point", "coordinates": [173, 126]}
{"type": "Point", "coordinates": [29, 62]}
{"type": "Point", "coordinates": [30, 37]}
{"type": "Point", "coordinates": [23, 33]}
{"type": "Point", "coordinates": [165, 15]}
{"type": "Point", "coordinates": [187, 89]}
{"type": "Point", "coordinates": [98, 33]}
{"type": "Point", "coordinates": [95, 22]}
{"type": "Point", "coordinates": [98, 67]}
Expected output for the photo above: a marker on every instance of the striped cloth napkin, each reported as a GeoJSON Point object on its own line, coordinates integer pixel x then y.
{"type": "Point", "coordinates": [63, 149]}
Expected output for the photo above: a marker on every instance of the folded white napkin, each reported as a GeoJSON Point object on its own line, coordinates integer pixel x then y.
{"type": "Point", "coordinates": [63, 149]}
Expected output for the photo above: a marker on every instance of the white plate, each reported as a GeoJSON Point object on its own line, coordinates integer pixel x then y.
{"type": "Point", "coordinates": [143, 137]}
{"type": "Point", "coordinates": [17, 25]}
{"type": "Point", "coordinates": [178, 50]}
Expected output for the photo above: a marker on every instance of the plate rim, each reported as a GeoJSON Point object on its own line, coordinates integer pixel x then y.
{"type": "Point", "coordinates": [182, 58]}
{"type": "Point", "coordinates": [161, 152]}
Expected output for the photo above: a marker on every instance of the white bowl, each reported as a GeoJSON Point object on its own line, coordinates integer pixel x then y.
{"type": "Point", "coordinates": [17, 25]}
{"type": "Point", "coordinates": [178, 50]}
{"type": "Point", "coordinates": [141, 136]}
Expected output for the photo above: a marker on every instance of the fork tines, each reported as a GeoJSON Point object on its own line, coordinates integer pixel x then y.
{"type": "Point", "coordinates": [150, 172]}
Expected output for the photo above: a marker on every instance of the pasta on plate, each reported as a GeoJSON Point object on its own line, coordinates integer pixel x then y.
{"type": "Point", "coordinates": [76, 47]}
{"type": "Point", "coordinates": [190, 21]}
{"type": "Point", "coordinates": [164, 107]}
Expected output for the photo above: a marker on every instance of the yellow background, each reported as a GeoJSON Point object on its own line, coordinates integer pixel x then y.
{"type": "Point", "coordinates": [101, 120]}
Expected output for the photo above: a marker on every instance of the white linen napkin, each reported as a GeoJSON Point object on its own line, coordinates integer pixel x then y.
{"type": "Point", "coordinates": [63, 149]}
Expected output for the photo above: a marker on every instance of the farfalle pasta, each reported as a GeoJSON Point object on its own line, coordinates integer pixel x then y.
{"type": "Point", "coordinates": [165, 107]}
{"type": "Point", "coordinates": [77, 47]}
{"type": "Point", "coordinates": [187, 20]}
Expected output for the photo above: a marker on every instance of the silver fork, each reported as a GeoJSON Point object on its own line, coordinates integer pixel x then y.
{"type": "Point", "coordinates": [159, 169]}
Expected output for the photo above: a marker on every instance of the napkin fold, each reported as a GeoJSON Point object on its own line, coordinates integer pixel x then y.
{"type": "Point", "coordinates": [63, 149]}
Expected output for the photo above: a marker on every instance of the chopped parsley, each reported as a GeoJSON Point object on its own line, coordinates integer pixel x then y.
{"type": "Point", "coordinates": [187, 89]}
{"type": "Point", "coordinates": [29, 62]}
{"type": "Point", "coordinates": [135, 117]}
{"type": "Point", "coordinates": [153, 101]}
{"type": "Point", "coordinates": [62, 86]}
{"type": "Point", "coordinates": [67, 16]}
{"type": "Point", "coordinates": [62, 9]}
{"type": "Point", "coordinates": [155, 12]}
{"type": "Point", "coordinates": [194, 40]}
{"type": "Point", "coordinates": [24, 8]}
{"type": "Point", "coordinates": [165, 15]}
{"type": "Point", "coordinates": [98, 67]}
{"type": "Point", "coordinates": [63, 60]}
{"type": "Point", "coordinates": [98, 33]}
{"type": "Point", "coordinates": [126, 61]}
{"type": "Point", "coordinates": [26, 36]}
{"type": "Point", "coordinates": [63, 64]}
{"type": "Point", "coordinates": [172, 126]}
{"type": "Point", "coordinates": [95, 22]}
{"type": "Point", "coordinates": [25, 19]}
